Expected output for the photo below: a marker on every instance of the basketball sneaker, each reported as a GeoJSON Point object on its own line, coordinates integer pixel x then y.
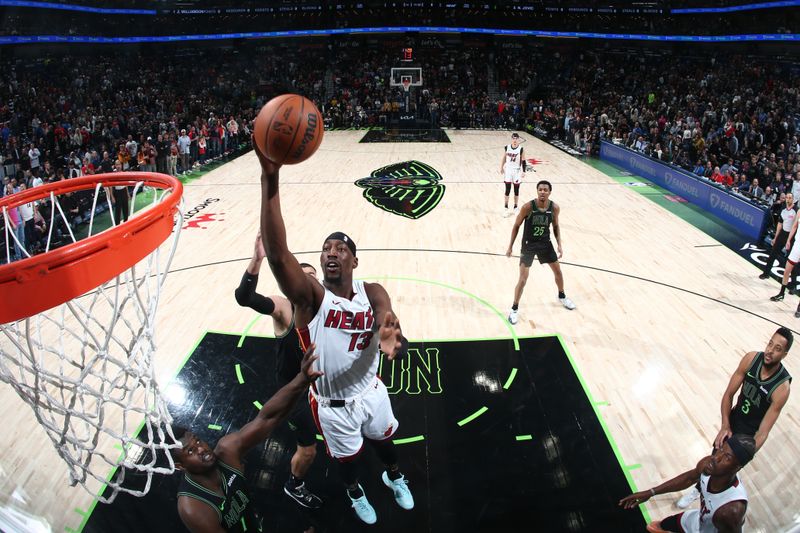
{"type": "Point", "coordinates": [516, 211]}
{"type": "Point", "coordinates": [363, 509]}
{"type": "Point", "coordinates": [763, 275]}
{"type": "Point", "coordinates": [687, 499]}
{"type": "Point", "coordinates": [506, 212]}
{"type": "Point", "coordinates": [402, 495]}
{"type": "Point", "coordinates": [303, 496]}
{"type": "Point", "coordinates": [777, 298]}
{"type": "Point", "coordinates": [566, 302]}
{"type": "Point", "coordinates": [512, 316]}
{"type": "Point", "coordinates": [797, 312]}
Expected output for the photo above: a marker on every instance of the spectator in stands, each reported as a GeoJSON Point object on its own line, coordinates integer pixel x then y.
{"type": "Point", "coordinates": [755, 191]}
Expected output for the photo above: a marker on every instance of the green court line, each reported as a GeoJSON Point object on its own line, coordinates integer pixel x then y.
{"type": "Point", "coordinates": [237, 334]}
{"type": "Point", "coordinates": [117, 446]}
{"type": "Point", "coordinates": [457, 289]}
{"type": "Point", "coordinates": [409, 440]}
{"type": "Point", "coordinates": [238, 368]}
{"type": "Point", "coordinates": [319, 437]}
{"type": "Point", "coordinates": [598, 404]}
{"type": "Point", "coordinates": [257, 404]}
{"type": "Point", "coordinates": [603, 424]}
{"type": "Point", "coordinates": [247, 330]}
{"type": "Point", "coordinates": [633, 467]}
{"type": "Point", "coordinates": [69, 530]}
{"type": "Point", "coordinates": [473, 416]}
{"type": "Point", "coordinates": [214, 427]}
{"type": "Point", "coordinates": [524, 437]}
{"type": "Point", "coordinates": [510, 379]}
{"type": "Point", "coordinates": [80, 511]}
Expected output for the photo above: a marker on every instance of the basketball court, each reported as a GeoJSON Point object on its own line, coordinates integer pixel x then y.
{"type": "Point", "coordinates": [542, 426]}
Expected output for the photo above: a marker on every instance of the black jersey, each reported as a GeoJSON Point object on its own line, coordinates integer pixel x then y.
{"type": "Point", "coordinates": [235, 510]}
{"type": "Point", "coordinates": [537, 226]}
{"type": "Point", "coordinates": [755, 396]}
{"type": "Point", "coordinates": [289, 354]}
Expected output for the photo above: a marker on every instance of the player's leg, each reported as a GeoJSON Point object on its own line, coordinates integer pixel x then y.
{"type": "Point", "coordinates": [302, 423]}
{"type": "Point", "coordinates": [507, 185]}
{"type": "Point", "coordinates": [516, 195]}
{"type": "Point", "coordinates": [341, 429]}
{"type": "Point", "coordinates": [787, 272]}
{"type": "Point", "coordinates": [525, 262]}
{"type": "Point", "coordinates": [669, 524]}
{"type": "Point", "coordinates": [379, 427]}
{"type": "Point", "coordinates": [551, 258]}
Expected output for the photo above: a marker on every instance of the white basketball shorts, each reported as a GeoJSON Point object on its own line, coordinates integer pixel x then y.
{"type": "Point", "coordinates": [794, 255]}
{"type": "Point", "coordinates": [513, 175]}
{"type": "Point", "coordinates": [344, 428]}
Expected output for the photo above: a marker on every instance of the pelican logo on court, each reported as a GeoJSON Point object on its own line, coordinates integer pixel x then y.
{"type": "Point", "coordinates": [714, 200]}
{"type": "Point", "coordinates": [409, 189]}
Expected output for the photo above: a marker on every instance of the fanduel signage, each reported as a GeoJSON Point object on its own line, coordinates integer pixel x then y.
{"type": "Point", "coordinates": [744, 216]}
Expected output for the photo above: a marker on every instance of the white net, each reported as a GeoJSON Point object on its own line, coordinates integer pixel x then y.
{"type": "Point", "coordinates": [86, 367]}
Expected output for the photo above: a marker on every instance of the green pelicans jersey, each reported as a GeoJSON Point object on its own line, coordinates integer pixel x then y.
{"type": "Point", "coordinates": [536, 230]}
{"type": "Point", "coordinates": [235, 509]}
{"type": "Point", "coordinates": [755, 396]}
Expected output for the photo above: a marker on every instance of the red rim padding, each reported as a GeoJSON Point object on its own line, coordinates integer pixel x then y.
{"type": "Point", "coordinates": [38, 283]}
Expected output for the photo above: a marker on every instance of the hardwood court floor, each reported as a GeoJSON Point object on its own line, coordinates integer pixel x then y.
{"type": "Point", "coordinates": [660, 325]}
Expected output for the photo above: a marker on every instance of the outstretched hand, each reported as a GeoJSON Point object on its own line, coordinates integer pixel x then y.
{"type": "Point", "coordinates": [259, 253]}
{"type": "Point", "coordinates": [390, 335]}
{"type": "Point", "coordinates": [307, 364]}
{"type": "Point", "coordinates": [268, 167]}
{"type": "Point", "coordinates": [629, 502]}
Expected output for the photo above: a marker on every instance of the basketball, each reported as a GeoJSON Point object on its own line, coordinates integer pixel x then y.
{"type": "Point", "coordinates": [288, 129]}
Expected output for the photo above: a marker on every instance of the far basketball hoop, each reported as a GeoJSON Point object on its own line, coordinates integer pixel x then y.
{"type": "Point", "coordinates": [406, 84]}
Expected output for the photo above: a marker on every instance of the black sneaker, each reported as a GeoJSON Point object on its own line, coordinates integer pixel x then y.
{"type": "Point", "coordinates": [763, 276]}
{"type": "Point", "coordinates": [301, 495]}
{"type": "Point", "coordinates": [777, 298]}
{"type": "Point", "coordinates": [797, 313]}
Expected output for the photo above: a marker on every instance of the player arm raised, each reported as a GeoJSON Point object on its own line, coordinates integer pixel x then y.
{"type": "Point", "coordinates": [678, 483]}
{"type": "Point", "coordinates": [234, 445]}
{"type": "Point", "coordinates": [393, 344]}
{"type": "Point", "coordinates": [275, 306]}
{"type": "Point", "coordinates": [727, 398]}
{"type": "Point", "coordinates": [779, 398]}
{"type": "Point", "coordinates": [523, 214]}
{"type": "Point", "coordinates": [557, 229]}
{"type": "Point", "coordinates": [305, 293]}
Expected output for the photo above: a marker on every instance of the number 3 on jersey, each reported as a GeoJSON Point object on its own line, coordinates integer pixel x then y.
{"type": "Point", "coordinates": [365, 337]}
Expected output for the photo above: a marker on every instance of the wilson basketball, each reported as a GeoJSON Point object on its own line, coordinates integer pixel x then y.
{"type": "Point", "coordinates": [288, 129]}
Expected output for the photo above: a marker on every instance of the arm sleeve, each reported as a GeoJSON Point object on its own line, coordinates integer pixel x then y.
{"type": "Point", "coordinates": [246, 295]}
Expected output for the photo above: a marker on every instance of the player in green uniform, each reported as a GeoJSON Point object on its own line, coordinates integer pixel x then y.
{"type": "Point", "coordinates": [763, 383]}
{"type": "Point", "coordinates": [538, 215]}
{"type": "Point", "coordinates": [213, 496]}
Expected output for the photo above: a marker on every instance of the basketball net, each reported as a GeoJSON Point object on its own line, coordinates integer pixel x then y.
{"type": "Point", "coordinates": [406, 84]}
{"type": "Point", "coordinates": [86, 366]}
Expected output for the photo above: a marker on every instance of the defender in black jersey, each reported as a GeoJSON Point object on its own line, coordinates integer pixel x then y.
{"type": "Point", "coordinates": [287, 366]}
{"type": "Point", "coordinates": [763, 384]}
{"type": "Point", "coordinates": [538, 215]}
{"type": "Point", "coordinates": [213, 495]}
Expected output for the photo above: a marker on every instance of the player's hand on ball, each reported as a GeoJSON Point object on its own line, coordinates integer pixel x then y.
{"type": "Point", "coordinates": [629, 502]}
{"type": "Point", "coordinates": [390, 335]}
{"type": "Point", "coordinates": [268, 167]}
{"type": "Point", "coordinates": [307, 364]}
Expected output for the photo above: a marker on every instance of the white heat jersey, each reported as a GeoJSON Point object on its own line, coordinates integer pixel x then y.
{"type": "Point", "coordinates": [702, 521]}
{"type": "Point", "coordinates": [513, 158]}
{"type": "Point", "coordinates": [346, 344]}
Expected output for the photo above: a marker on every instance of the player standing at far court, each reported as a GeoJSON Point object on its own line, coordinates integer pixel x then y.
{"type": "Point", "coordinates": [537, 215]}
{"type": "Point", "coordinates": [511, 169]}
{"type": "Point", "coordinates": [347, 320]}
